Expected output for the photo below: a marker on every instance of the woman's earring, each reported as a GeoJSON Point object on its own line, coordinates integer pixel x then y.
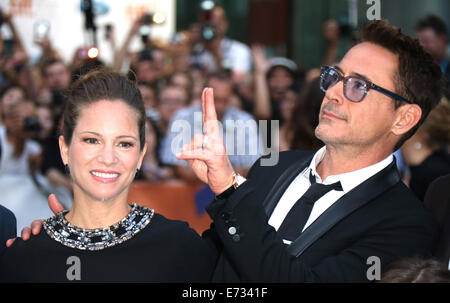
{"type": "Point", "coordinates": [66, 169]}
{"type": "Point", "coordinates": [417, 145]}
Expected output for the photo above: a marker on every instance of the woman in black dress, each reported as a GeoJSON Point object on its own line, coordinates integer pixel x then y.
{"type": "Point", "coordinates": [103, 238]}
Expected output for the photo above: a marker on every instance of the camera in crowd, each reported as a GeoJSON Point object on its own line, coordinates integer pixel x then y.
{"type": "Point", "coordinates": [208, 30]}
{"type": "Point", "coordinates": [87, 53]}
{"type": "Point", "coordinates": [41, 30]}
{"type": "Point", "coordinates": [147, 20]}
{"type": "Point", "coordinates": [31, 125]}
{"type": "Point", "coordinates": [347, 30]}
{"type": "Point", "coordinates": [153, 18]}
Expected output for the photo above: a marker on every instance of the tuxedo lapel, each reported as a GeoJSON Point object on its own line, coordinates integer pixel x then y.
{"type": "Point", "coordinates": [351, 201]}
{"type": "Point", "coordinates": [283, 181]}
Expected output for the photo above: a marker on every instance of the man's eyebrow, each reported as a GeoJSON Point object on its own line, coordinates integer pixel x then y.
{"type": "Point", "coordinates": [353, 74]}
{"type": "Point", "coordinates": [338, 68]}
{"type": "Point", "coordinates": [362, 77]}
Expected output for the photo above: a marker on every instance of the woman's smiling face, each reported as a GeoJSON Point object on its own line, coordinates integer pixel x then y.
{"type": "Point", "coordinates": [104, 152]}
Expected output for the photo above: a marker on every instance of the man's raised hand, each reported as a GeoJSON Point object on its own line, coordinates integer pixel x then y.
{"type": "Point", "coordinates": [206, 153]}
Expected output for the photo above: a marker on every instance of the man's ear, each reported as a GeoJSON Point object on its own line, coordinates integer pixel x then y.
{"type": "Point", "coordinates": [64, 150]}
{"type": "Point", "coordinates": [408, 116]}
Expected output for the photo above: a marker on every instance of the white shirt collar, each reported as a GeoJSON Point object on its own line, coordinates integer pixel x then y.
{"type": "Point", "coordinates": [348, 180]}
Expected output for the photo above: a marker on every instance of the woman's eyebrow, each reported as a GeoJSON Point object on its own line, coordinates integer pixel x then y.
{"type": "Point", "coordinates": [118, 137]}
{"type": "Point", "coordinates": [127, 136]}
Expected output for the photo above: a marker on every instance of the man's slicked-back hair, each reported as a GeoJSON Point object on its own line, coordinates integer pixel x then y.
{"type": "Point", "coordinates": [417, 79]}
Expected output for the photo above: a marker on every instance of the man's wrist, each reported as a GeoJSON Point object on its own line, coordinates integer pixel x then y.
{"type": "Point", "coordinates": [237, 181]}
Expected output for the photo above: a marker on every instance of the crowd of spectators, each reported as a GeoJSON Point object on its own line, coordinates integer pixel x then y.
{"type": "Point", "coordinates": [248, 86]}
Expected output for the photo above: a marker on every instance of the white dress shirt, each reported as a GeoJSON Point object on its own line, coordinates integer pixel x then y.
{"type": "Point", "coordinates": [301, 184]}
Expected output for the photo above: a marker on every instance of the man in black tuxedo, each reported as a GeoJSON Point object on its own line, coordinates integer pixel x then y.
{"type": "Point", "coordinates": [332, 215]}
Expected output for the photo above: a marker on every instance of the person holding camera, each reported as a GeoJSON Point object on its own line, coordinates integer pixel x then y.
{"type": "Point", "coordinates": [20, 153]}
{"type": "Point", "coordinates": [216, 52]}
{"type": "Point", "coordinates": [20, 160]}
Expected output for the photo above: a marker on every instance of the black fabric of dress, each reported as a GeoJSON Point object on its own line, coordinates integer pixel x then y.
{"type": "Point", "coordinates": [164, 251]}
{"type": "Point", "coordinates": [433, 167]}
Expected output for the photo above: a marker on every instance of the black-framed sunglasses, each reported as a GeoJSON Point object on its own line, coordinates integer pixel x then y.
{"type": "Point", "coordinates": [355, 89]}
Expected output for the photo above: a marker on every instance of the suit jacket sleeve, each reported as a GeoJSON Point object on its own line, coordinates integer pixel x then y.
{"type": "Point", "coordinates": [8, 226]}
{"type": "Point", "coordinates": [258, 253]}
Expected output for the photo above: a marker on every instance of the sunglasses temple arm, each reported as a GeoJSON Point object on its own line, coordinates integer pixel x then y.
{"type": "Point", "coordinates": [389, 93]}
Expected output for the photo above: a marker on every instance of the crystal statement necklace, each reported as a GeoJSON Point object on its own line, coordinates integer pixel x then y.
{"type": "Point", "coordinates": [59, 229]}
